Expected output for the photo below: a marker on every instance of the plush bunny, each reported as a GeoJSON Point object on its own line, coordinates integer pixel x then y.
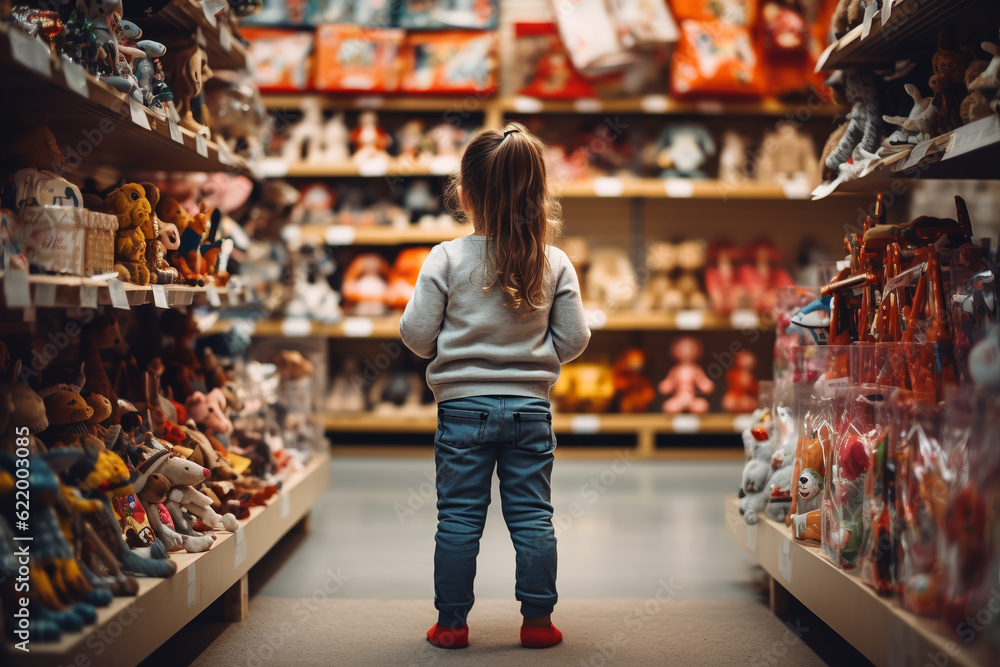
{"type": "Point", "coordinates": [919, 125]}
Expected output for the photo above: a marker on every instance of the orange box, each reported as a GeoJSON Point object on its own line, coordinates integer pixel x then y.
{"type": "Point", "coordinates": [281, 58]}
{"type": "Point", "coordinates": [451, 61]}
{"type": "Point", "coordinates": [356, 58]}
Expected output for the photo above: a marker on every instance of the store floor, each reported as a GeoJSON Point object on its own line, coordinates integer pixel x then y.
{"type": "Point", "coordinates": [647, 576]}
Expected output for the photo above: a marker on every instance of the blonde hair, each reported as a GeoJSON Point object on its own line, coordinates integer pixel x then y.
{"type": "Point", "coordinates": [502, 187]}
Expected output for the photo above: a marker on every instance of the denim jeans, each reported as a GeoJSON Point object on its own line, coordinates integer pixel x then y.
{"type": "Point", "coordinates": [474, 435]}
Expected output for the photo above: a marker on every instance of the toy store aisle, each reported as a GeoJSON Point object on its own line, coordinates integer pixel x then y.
{"type": "Point", "coordinates": [646, 576]}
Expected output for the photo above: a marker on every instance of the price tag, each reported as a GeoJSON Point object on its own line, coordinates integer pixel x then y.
{"type": "Point", "coordinates": [654, 103]}
{"type": "Point", "coordinates": [585, 424]}
{"type": "Point", "coordinates": [358, 327]}
{"type": "Point", "coordinates": [192, 585]}
{"type": "Point", "coordinates": [274, 168]}
{"type": "Point", "coordinates": [225, 37]}
{"type": "Point", "coordinates": [595, 318]}
{"type": "Point", "coordinates": [442, 165]}
{"type": "Point", "coordinates": [785, 560]}
{"type": "Point", "coordinates": [160, 296]}
{"type": "Point", "coordinates": [88, 296]}
{"type": "Point", "coordinates": [523, 104]}
{"type": "Point", "coordinates": [284, 505]}
{"type": "Point", "coordinates": [679, 188]}
{"type": "Point", "coordinates": [710, 107]}
{"type": "Point", "coordinates": [587, 105]}
{"type": "Point", "coordinates": [45, 294]}
{"type": "Point", "coordinates": [823, 57]}
{"type": "Point", "coordinates": [377, 167]}
{"type": "Point", "coordinates": [213, 295]}
{"type": "Point", "coordinates": [76, 77]}
{"type": "Point", "coordinates": [118, 297]}
{"type": "Point", "coordinates": [240, 552]}
{"type": "Point", "coordinates": [686, 424]}
{"type": "Point", "coordinates": [742, 423]}
{"type": "Point", "coordinates": [369, 102]}
{"type": "Point", "coordinates": [744, 319]}
{"type": "Point", "coordinates": [175, 131]}
{"type": "Point", "coordinates": [225, 157]}
{"type": "Point", "coordinates": [291, 234]}
{"type": "Point", "coordinates": [866, 25]}
{"type": "Point", "coordinates": [689, 320]}
{"type": "Point", "coordinates": [886, 10]}
{"type": "Point", "coordinates": [974, 135]}
{"type": "Point", "coordinates": [201, 145]}
{"type": "Point", "coordinates": [797, 189]}
{"type": "Point", "coordinates": [608, 187]}
{"type": "Point", "coordinates": [30, 52]}
{"type": "Point", "coordinates": [339, 235]}
{"type": "Point", "coordinates": [295, 327]}
{"type": "Point", "coordinates": [138, 113]}
{"type": "Point", "coordinates": [752, 538]}
{"type": "Point", "coordinates": [16, 291]}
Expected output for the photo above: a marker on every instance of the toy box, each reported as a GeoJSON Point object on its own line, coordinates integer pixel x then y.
{"type": "Point", "coordinates": [714, 58]}
{"type": "Point", "coordinates": [358, 59]}
{"type": "Point", "coordinates": [479, 14]}
{"type": "Point", "coordinates": [452, 61]}
{"type": "Point", "coordinates": [68, 240]}
{"type": "Point", "coordinates": [281, 58]}
{"type": "Point", "coordinates": [544, 65]}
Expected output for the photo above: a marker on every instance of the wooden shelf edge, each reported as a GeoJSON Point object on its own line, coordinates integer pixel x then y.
{"type": "Point", "coordinates": [68, 293]}
{"type": "Point", "coordinates": [561, 452]}
{"type": "Point", "coordinates": [878, 627]}
{"type": "Point", "coordinates": [162, 606]}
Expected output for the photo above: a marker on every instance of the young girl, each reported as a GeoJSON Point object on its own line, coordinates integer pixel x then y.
{"type": "Point", "coordinates": [497, 312]}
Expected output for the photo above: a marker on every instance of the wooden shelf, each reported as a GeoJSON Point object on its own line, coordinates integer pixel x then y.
{"type": "Point", "coordinates": [910, 29]}
{"type": "Point", "coordinates": [375, 102]}
{"type": "Point", "coordinates": [223, 49]}
{"type": "Point", "coordinates": [877, 627]}
{"type": "Point", "coordinates": [109, 135]}
{"type": "Point", "coordinates": [393, 168]}
{"type": "Point", "coordinates": [345, 235]}
{"type": "Point", "coordinates": [50, 291]}
{"type": "Point", "coordinates": [656, 105]}
{"type": "Point", "coordinates": [164, 606]}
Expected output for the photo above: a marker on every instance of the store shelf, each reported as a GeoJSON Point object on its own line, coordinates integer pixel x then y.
{"type": "Point", "coordinates": [663, 105]}
{"type": "Point", "coordinates": [346, 235]}
{"type": "Point", "coordinates": [164, 606]}
{"type": "Point", "coordinates": [74, 292]}
{"type": "Point", "coordinates": [906, 29]}
{"type": "Point", "coordinates": [93, 122]}
{"type": "Point", "coordinates": [223, 49]}
{"type": "Point", "coordinates": [341, 101]}
{"type": "Point", "coordinates": [278, 168]}
{"type": "Point", "coordinates": [877, 627]}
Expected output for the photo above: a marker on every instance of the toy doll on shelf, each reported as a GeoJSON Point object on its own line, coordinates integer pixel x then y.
{"type": "Point", "coordinates": [366, 286]}
{"type": "Point", "coordinates": [303, 140]}
{"type": "Point", "coordinates": [186, 67]}
{"type": "Point", "coordinates": [633, 389]}
{"type": "Point", "coordinates": [683, 150]}
{"type": "Point", "coordinates": [722, 280]}
{"type": "Point", "coordinates": [762, 276]}
{"type": "Point", "coordinates": [370, 140]}
{"type": "Point", "coordinates": [686, 379]}
{"type": "Point", "coordinates": [741, 384]}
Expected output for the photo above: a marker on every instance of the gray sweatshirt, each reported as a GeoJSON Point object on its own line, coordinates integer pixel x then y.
{"type": "Point", "coordinates": [477, 345]}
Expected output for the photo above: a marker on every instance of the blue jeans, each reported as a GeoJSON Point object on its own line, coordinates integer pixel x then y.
{"type": "Point", "coordinates": [474, 435]}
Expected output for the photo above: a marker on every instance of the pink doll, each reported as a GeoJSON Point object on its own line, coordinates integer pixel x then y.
{"type": "Point", "coordinates": [762, 275]}
{"type": "Point", "coordinates": [686, 379]}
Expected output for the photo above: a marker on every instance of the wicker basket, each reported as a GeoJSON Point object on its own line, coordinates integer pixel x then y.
{"type": "Point", "coordinates": [69, 240]}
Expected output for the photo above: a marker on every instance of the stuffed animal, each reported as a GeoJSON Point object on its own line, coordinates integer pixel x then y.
{"type": "Point", "coordinates": [742, 388]}
{"type": "Point", "coordinates": [370, 141]}
{"type": "Point", "coordinates": [767, 479]}
{"type": "Point", "coordinates": [403, 276]}
{"type": "Point", "coordinates": [847, 15]}
{"type": "Point", "coordinates": [347, 389]}
{"type": "Point", "coordinates": [192, 269]}
{"type": "Point", "coordinates": [209, 411]}
{"type": "Point", "coordinates": [335, 141]}
{"type": "Point", "coordinates": [809, 473]}
{"type": "Point", "coordinates": [686, 378]}
{"type": "Point", "coordinates": [313, 297]}
{"type": "Point", "coordinates": [68, 413]}
{"type": "Point", "coordinates": [788, 157]}
{"type": "Point", "coordinates": [135, 227]}
{"type": "Point", "coordinates": [864, 129]}
{"type": "Point", "coordinates": [584, 387]}
{"type": "Point", "coordinates": [762, 275]}
{"type": "Point", "coordinates": [21, 408]}
{"type": "Point", "coordinates": [682, 150]}
{"type": "Point", "coordinates": [691, 265]}
{"type": "Point", "coordinates": [733, 164]}
{"type": "Point", "coordinates": [920, 125]}
{"type": "Point", "coordinates": [725, 291]}
{"type": "Point", "coordinates": [610, 282]}
{"type": "Point", "coordinates": [948, 82]}
{"type": "Point", "coordinates": [365, 285]}
{"type": "Point", "coordinates": [982, 80]}
{"type": "Point", "coordinates": [303, 139]}
{"type": "Point", "coordinates": [633, 389]}
{"type": "Point", "coordinates": [168, 240]}
{"type": "Point", "coordinates": [659, 291]}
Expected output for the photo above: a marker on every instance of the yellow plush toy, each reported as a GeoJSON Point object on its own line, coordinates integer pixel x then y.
{"type": "Point", "coordinates": [135, 227]}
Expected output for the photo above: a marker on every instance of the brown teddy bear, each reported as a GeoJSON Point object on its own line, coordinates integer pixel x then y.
{"type": "Point", "coordinates": [131, 204]}
{"type": "Point", "coordinates": [23, 407]}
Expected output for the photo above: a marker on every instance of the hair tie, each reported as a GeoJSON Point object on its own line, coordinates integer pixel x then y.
{"type": "Point", "coordinates": [506, 132]}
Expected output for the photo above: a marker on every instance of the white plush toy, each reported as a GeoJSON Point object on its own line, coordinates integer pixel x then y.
{"type": "Point", "coordinates": [767, 476]}
{"type": "Point", "coordinates": [914, 128]}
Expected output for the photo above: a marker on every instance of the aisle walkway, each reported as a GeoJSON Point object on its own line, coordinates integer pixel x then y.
{"type": "Point", "coordinates": [647, 575]}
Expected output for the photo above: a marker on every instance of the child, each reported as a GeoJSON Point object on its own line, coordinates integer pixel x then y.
{"type": "Point", "coordinates": [497, 312]}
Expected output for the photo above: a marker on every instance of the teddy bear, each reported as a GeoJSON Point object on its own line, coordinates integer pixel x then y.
{"type": "Point", "coordinates": [982, 80]}
{"type": "Point", "coordinates": [403, 276]}
{"type": "Point", "coordinates": [68, 414]}
{"type": "Point", "coordinates": [659, 291]}
{"type": "Point", "coordinates": [21, 407]}
{"type": "Point", "coordinates": [129, 203]}
{"type": "Point", "coordinates": [365, 286]}
{"type": "Point", "coordinates": [610, 282]}
{"type": "Point", "coordinates": [690, 265]}
{"type": "Point", "coordinates": [584, 387]}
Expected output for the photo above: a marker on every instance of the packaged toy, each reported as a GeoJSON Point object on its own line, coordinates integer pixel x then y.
{"type": "Point", "coordinates": [544, 65]}
{"type": "Point", "coordinates": [714, 58]}
{"type": "Point", "coordinates": [281, 58]}
{"type": "Point", "coordinates": [352, 58]}
{"type": "Point", "coordinates": [476, 14]}
{"type": "Point", "coordinates": [450, 62]}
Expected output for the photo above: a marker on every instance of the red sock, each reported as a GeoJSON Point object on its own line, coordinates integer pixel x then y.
{"type": "Point", "coordinates": [536, 636]}
{"type": "Point", "coordinates": [444, 637]}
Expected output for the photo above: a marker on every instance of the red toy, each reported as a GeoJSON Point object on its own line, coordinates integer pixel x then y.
{"type": "Point", "coordinates": [634, 390]}
{"type": "Point", "coordinates": [686, 379]}
{"type": "Point", "coordinates": [762, 275]}
{"type": "Point", "coordinates": [403, 276]}
{"type": "Point", "coordinates": [742, 389]}
{"type": "Point", "coordinates": [722, 281]}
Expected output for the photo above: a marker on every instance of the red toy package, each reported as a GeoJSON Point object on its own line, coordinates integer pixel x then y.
{"type": "Point", "coordinates": [281, 58]}
{"type": "Point", "coordinates": [545, 66]}
{"type": "Point", "coordinates": [453, 61]}
{"type": "Point", "coordinates": [353, 58]}
{"type": "Point", "coordinates": [715, 58]}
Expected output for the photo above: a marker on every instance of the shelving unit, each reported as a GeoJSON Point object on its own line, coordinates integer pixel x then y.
{"type": "Point", "coordinates": [878, 627]}
{"type": "Point", "coordinates": [76, 291]}
{"type": "Point", "coordinates": [223, 49]}
{"type": "Point", "coordinates": [164, 606]}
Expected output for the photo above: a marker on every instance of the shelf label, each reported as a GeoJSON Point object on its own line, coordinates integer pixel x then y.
{"type": "Point", "coordinates": [587, 105]}
{"type": "Point", "coordinates": [75, 76]}
{"type": "Point", "coordinates": [225, 156]}
{"type": "Point", "coordinates": [524, 104]}
{"type": "Point", "coordinates": [213, 295]}
{"type": "Point", "coordinates": [654, 103]}
{"type": "Point", "coordinates": [30, 52]}
{"type": "Point", "coordinates": [138, 113]}
{"type": "Point", "coordinates": [974, 135]}
{"type": "Point", "coordinates": [192, 585]}
{"type": "Point", "coordinates": [15, 287]}
{"type": "Point", "coordinates": [175, 131]}
{"type": "Point", "coordinates": [742, 422]}
{"type": "Point", "coordinates": [160, 296]}
{"type": "Point", "coordinates": [595, 318]}
{"type": "Point", "coordinates": [866, 25]}
{"type": "Point", "coordinates": [88, 296]}
{"type": "Point", "coordinates": [886, 10]}
{"type": "Point", "coordinates": [689, 320]}
{"type": "Point", "coordinates": [358, 327]}
{"type": "Point", "coordinates": [442, 165]}
{"type": "Point", "coordinates": [785, 560]}
{"type": "Point", "coordinates": [752, 538]}
{"type": "Point", "coordinates": [369, 102]}
{"type": "Point", "coordinates": [201, 145]}
{"type": "Point", "coordinates": [686, 424]}
{"type": "Point", "coordinates": [710, 107]}
{"type": "Point", "coordinates": [45, 294]}
{"type": "Point", "coordinates": [295, 327]}
{"type": "Point", "coordinates": [607, 186]}
{"type": "Point", "coordinates": [240, 552]}
{"type": "Point", "coordinates": [340, 235]}
{"type": "Point", "coordinates": [117, 291]}
{"type": "Point", "coordinates": [284, 505]}
{"type": "Point", "coordinates": [225, 37]}
{"type": "Point", "coordinates": [585, 424]}
{"type": "Point", "coordinates": [797, 189]}
{"type": "Point", "coordinates": [679, 188]}
{"type": "Point", "coordinates": [375, 167]}
{"type": "Point", "coordinates": [744, 319]}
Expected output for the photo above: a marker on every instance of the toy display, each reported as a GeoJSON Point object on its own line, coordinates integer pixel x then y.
{"type": "Point", "coordinates": [686, 379]}
{"type": "Point", "coordinates": [450, 62]}
{"type": "Point", "coordinates": [767, 475]}
{"type": "Point", "coordinates": [714, 58]}
{"type": "Point", "coordinates": [741, 384]}
{"type": "Point", "coordinates": [545, 67]}
{"type": "Point", "coordinates": [683, 150]}
{"type": "Point", "coordinates": [353, 58]}
{"type": "Point", "coordinates": [438, 14]}
{"type": "Point", "coordinates": [634, 390]}
{"type": "Point", "coordinates": [280, 57]}
{"type": "Point", "coordinates": [366, 286]}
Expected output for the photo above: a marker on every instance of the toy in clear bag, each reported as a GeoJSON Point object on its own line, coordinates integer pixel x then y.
{"type": "Point", "coordinates": [810, 469]}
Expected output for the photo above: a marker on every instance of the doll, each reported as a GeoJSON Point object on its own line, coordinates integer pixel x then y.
{"type": "Point", "coordinates": [691, 264]}
{"type": "Point", "coordinates": [335, 140]}
{"type": "Point", "coordinates": [365, 285]}
{"type": "Point", "coordinates": [762, 276]}
{"type": "Point", "coordinates": [611, 283]}
{"type": "Point", "coordinates": [686, 379]}
{"type": "Point", "coordinates": [303, 139]}
{"type": "Point", "coordinates": [369, 139]}
{"type": "Point", "coordinates": [185, 65]}
{"type": "Point", "coordinates": [682, 151]}
{"type": "Point", "coordinates": [741, 384]}
{"type": "Point", "coordinates": [632, 387]}
{"type": "Point", "coordinates": [725, 292]}
{"type": "Point", "coordinates": [403, 276]}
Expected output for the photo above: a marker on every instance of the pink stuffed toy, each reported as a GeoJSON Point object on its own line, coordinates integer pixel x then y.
{"type": "Point", "coordinates": [209, 411]}
{"type": "Point", "coordinates": [686, 379]}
